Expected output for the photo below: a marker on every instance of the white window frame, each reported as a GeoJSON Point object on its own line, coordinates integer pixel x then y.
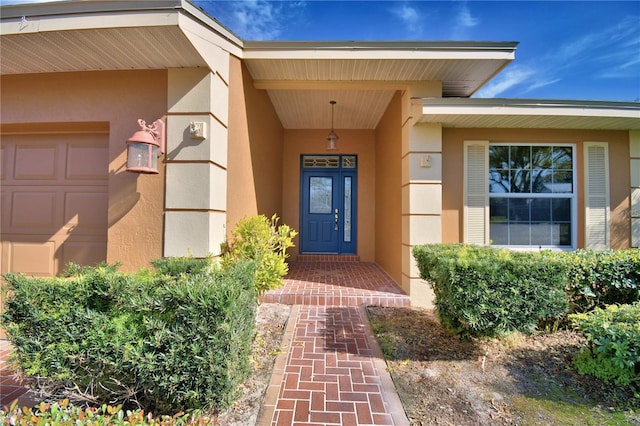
{"type": "Point", "coordinates": [573, 197]}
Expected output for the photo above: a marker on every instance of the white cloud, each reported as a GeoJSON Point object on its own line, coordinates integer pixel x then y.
{"type": "Point", "coordinates": [255, 19]}
{"type": "Point", "coordinates": [542, 83]}
{"type": "Point", "coordinates": [613, 51]}
{"type": "Point", "coordinates": [410, 18]}
{"type": "Point", "coordinates": [512, 77]}
{"type": "Point", "coordinates": [464, 21]}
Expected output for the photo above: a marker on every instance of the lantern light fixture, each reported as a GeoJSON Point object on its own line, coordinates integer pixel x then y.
{"type": "Point", "coordinates": [332, 137]}
{"type": "Point", "coordinates": [145, 146]}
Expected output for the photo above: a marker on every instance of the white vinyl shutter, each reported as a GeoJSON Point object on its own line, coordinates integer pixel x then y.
{"type": "Point", "coordinates": [476, 192]}
{"type": "Point", "coordinates": [596, 195]}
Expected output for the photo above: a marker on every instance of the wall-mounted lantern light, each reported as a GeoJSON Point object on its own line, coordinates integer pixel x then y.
{"type": "Point", "coordinates": [145, 146]}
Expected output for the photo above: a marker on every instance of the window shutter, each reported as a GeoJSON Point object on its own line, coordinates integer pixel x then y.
{"type": "Point", "coordinates": [596, 195]}
{"type": "Point", "coordinates": [476, 192]}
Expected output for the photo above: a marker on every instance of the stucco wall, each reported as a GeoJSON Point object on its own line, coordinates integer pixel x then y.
{"type": "Point", "coordinates": [388, 191]}
{"type": "Point", "coordinates": [358, 142]}
{"type": "Point", "coordinates": [119, 98]}
{"type": "Point", "coordinates": [619, 174]}
{"type": "Point", "coordinates": [254, 168]}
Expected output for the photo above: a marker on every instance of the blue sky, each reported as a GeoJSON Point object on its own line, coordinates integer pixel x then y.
{"type": "Point", "coordinates": [568, 50]}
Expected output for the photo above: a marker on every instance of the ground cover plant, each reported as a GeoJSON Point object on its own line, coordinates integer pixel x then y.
{"type": "Point", "coordinates": [613, 338]}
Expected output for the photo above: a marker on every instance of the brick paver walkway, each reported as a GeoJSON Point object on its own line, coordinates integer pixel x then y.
{"type": "Point", "coordinates": [10, 387]}
{"type": "Point", "coordinates": [331, 371]}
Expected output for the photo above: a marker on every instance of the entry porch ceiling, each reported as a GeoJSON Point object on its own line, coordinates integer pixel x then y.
{"type": "Point", "coordinates": [362, 77]}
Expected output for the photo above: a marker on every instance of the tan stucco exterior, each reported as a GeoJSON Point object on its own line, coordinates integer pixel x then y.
{"type": "Point", "coordinates": [255, 162]}
{"type": "Point", "coordinates": [388, 190]}
{"type": "Point", "coordinates": [93, 101]}
{"type": "Point", "coordinates": [619, 175]}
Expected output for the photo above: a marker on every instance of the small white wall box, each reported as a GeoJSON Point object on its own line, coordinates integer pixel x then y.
{"type": "Point", "coordinates": [425, 161]}
{"type": "Point", "coordinates": [198, 130]}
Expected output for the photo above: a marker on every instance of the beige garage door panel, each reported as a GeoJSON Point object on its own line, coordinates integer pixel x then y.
{"type": "Point", "coordinates": [54, 202]}
{"type": "Point", "coordinates": [35, 162]}
{"type": "Point", "coordinates": [32, 258]}
{"type": "Point", "coordinates": [31, 210]}
{"type": "Point", "coordinates": [86, 162]}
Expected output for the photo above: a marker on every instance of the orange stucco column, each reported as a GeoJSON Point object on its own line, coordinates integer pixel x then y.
{"type": "Point", "coordinates": [421, 189]}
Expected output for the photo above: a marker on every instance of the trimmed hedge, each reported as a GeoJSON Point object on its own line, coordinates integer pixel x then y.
{"type": "Point", "coordinates": [485, 291]}
{"type": "Point", "coordinates": [145, 339]}
{"type": "Point", "coordinates": [613, 336]}
{"type": "Point", "coordinates": [600, 278]}
{"type": "Point", "coordinates": [180, 265]}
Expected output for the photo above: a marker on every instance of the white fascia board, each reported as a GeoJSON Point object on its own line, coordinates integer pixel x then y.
{"type": "Point", "coordinates": [379, 50]}
{"type": "Point", "coordinates": [203, 38]}
{"type": "Point", "coordinates": [87, 15]}
{"type": "Point", "coordinates": [530, 107]}
{"type": "Point", "coordinates": [82, 20]}
{"type": "Point", "coordinates": [209, 23]}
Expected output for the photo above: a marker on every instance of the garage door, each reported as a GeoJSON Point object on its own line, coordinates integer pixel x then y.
{"type": "Point", "coordinates": [54, 202]}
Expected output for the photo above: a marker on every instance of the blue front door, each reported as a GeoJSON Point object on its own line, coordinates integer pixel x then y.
{"type": "Point", "coordinates": [328, 204]}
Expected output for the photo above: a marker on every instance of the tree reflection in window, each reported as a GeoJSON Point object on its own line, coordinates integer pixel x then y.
{"type": "Point", "coordinates": [530, 169]}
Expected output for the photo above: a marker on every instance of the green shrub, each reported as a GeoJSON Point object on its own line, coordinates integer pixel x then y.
{"type": "Point", "coordinates": [176, 266]}
{"type": "Point", "coordinates": [262, 241]}
{"type": "Point", "coordinates": [600, 278]}
{"type": "Point", "coordinates": [150, 339]}
{"type": "Point", "coordinates": [613, 336]}
{"type": "Point", "coordinates": [488, 291]}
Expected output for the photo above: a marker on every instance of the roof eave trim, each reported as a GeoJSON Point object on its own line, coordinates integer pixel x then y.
{"type": "Point", "coordinates": [534, 107]}
{"type": "Point", "coordinates": [379, 50]}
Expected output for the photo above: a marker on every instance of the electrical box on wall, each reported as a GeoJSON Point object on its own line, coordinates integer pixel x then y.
{"type": "Point", "coordinates": [198, 130]}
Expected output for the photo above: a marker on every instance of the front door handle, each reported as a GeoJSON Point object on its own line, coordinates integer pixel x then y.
{"type": "Point", "coordinates": [335, 216]}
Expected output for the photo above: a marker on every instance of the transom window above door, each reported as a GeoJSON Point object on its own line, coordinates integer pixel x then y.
{"type": "Point", "coordinates": [328, 161]}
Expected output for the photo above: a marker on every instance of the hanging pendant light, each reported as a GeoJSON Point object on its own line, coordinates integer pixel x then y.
{"type": "Point", "coordinates": [332, 138]}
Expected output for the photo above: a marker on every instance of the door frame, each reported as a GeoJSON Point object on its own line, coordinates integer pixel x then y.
{"type": "Point", "coordinates": [341, 172]}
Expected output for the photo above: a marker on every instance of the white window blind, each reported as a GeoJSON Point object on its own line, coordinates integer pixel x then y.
{"type": "Point", "coordinates": [596, 194]}
{"type": "Point", "coordinates": [476, 192]}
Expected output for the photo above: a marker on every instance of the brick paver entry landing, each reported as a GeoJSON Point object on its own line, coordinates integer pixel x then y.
{"type": "Point", "coordinates": [331, 370]}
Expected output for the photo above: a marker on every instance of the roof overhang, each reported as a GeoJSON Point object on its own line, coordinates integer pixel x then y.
{"type": "Point", "coordinates": [462, 67]}
{"type": "Point", "coordinates": [302, 77]}
{"type": "Point", "coordinates": [109, 35]}
{"type": "Point", "coordinates": [528, 113]}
